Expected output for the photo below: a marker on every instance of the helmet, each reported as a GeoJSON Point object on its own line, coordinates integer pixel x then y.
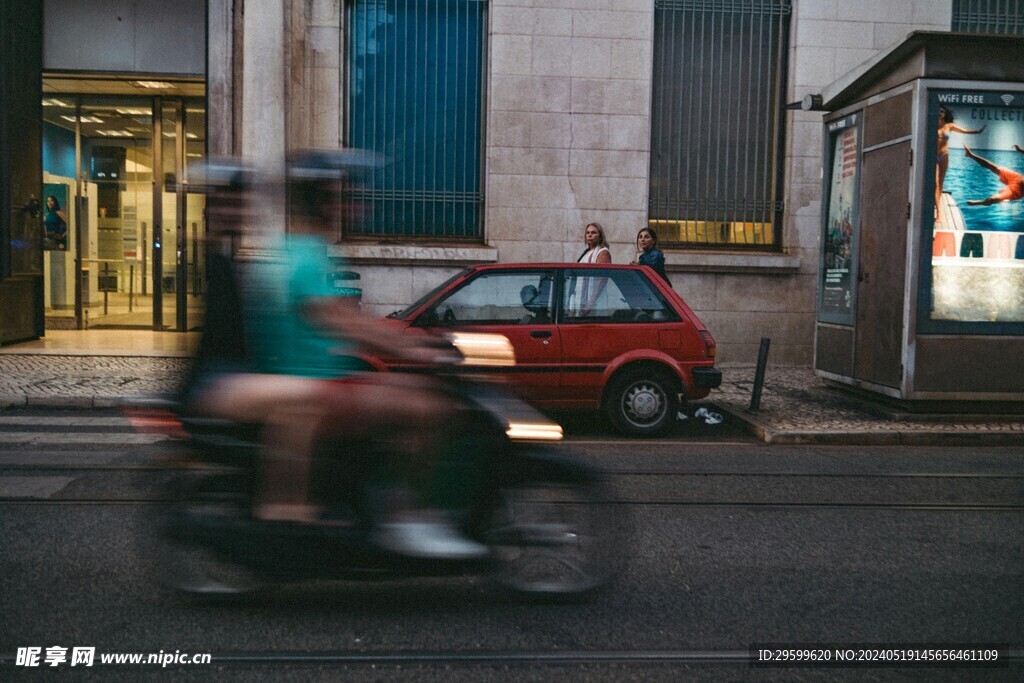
{"type": "Point", "coordinates": [227, 183]}
{"type": "Point", "coordinates": [221, 174]}
{"type": "Point", "coordinates": [317, 179]}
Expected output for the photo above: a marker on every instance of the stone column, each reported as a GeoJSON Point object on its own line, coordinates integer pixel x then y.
{"type": "Point", "coordinates": [263, 101]}
{"type": "Point", "coordinates": [220, 77]}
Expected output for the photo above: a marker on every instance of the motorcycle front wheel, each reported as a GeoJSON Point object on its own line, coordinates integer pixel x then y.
{"type": "Point", "coordinates": [555, 541]}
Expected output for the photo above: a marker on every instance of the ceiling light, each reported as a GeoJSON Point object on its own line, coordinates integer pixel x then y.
{"type": "Point", "coordinates": [115, 133]}
{"type": "Point", "coordinates": [191, 136]}
{"type": "Point", "coordinates": [133, 111]}
{"type": "Point", "coordinates": [54, 102]}
{"type": "Point", "coordinates": [85, 119]}
{"type": "Point", "coordinates": [154, 85]}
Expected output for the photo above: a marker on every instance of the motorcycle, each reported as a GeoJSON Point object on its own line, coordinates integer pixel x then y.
{"type": "Point", "coordinates": [544, 518]}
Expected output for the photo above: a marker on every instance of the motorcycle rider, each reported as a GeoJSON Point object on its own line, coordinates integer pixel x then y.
{"type": "Point", "coordinates": [294, 377]}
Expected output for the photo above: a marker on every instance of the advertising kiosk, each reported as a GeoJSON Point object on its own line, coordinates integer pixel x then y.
{"type": "Point", "coordinates": [921, 282]}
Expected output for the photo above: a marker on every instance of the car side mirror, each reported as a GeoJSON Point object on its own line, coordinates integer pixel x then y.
{"type": "Point", "coordinates": [427, 318]}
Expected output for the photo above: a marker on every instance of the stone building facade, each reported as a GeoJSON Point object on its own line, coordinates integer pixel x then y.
{"type": "Point", "coordinates": [567, 131]}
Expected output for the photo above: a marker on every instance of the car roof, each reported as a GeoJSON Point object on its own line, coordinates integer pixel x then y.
{"type": "Point", "coordinates": [543, 266]}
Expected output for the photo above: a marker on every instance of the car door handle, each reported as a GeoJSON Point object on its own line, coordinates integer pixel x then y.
{"type": "Point", "coordinates": [540, 334]}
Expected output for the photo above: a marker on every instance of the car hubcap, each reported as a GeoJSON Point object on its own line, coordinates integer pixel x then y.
{"type": "Point", "coordinates": [644, 403]}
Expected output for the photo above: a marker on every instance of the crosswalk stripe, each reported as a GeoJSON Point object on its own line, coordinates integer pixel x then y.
{"type": "Point", "coordinates": [79, 438]}
{"type": "Point", "coordinates": [32, 487]}
{"type": "Point", "coordinates": [55, 421]}
{"type": "Point", "coordinates": [30, 445]}
{"type": "Point", "coordinates": [71, 457]}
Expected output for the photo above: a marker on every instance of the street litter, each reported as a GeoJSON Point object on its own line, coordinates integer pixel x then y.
{"type": "Point", "coordinates": [710, 418]}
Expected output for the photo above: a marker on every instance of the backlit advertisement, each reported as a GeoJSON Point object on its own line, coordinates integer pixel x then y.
{"type": "Point", "coordinates": [974, 218]}
{"type": "Point", "coordinates": [836, 289]}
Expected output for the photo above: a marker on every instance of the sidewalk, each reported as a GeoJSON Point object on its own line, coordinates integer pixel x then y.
{"type": "Point", "coordinates": [73, 369]}
{"type": "Point", "coordinates": [98, 369]}
{"type": "Point", "coordinates": [797, 407]}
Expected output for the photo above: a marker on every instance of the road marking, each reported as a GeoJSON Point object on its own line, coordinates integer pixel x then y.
{"type": "Point", "coordinates": [51, 458]}
{"type": "Point", "coordinates": [32, 487]}
{"type": "Point", "coordinates": [79, 439]}
{"type": "Point", "coordinates": [54, 421]}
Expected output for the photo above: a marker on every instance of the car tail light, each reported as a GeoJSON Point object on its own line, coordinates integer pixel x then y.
{"type": "Point", "coordinates": [709, 342]}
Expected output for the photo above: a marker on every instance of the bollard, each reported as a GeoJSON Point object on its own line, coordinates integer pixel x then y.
{"type": "Point", "coordinates": [762, 361]}
{"type": "Point", "coordinates": [131, 287]}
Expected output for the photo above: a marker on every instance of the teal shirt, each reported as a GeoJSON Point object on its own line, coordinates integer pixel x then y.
{"type": "Point", "coordinates": [283, 340]}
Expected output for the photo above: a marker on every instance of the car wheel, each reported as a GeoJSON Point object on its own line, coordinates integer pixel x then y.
{"type": "Point", "coordinates": [642, 402]}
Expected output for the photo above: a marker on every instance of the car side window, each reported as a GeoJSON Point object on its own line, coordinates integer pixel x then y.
{"type": "Point", "coordinates": [513, 298]}
{"type": "Point", "coordinates": [612, 296]}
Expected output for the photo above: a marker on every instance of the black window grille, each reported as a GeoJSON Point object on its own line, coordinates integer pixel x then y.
{"type": "Point", "coordinates": [415, 91]}
{"type": "Point", "coordinates": [1004, 17]}
{"type": "Point", "coordinates": [718, 122]}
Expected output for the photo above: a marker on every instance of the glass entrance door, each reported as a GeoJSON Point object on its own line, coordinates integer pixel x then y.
{"type": "Point", "coordinates": [133, 250]}
{"type": "Point", "coordinates": [116, 152]}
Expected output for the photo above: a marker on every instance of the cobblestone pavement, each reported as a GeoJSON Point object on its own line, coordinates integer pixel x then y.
{"type": "Point", "coordinates": [796, 406]}
{"type": "Point", "coordinates": [86, 380]}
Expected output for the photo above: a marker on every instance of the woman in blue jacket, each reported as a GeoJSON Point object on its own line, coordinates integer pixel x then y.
{"type": "Point", "coordinates": [649, 254]}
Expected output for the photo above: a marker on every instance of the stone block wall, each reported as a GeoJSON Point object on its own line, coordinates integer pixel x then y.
{"type": "Point", "coordinates": [568, 125]}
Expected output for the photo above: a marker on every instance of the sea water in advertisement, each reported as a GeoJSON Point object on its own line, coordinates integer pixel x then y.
{"type": "Point", "coordinates": [977, 255]}
{"type": "Point", "coordinates": [838, 239]}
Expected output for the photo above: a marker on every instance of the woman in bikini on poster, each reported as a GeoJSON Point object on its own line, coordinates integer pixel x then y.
{"type": "Point", "coordinates": [946, 127]}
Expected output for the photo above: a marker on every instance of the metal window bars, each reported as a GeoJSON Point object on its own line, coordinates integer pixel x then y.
{"type": "Point", "coordinates": [415, 95]}
{"type": "Point", "coordinates": [718, 122]}
{"type": "Point", "coordinates": [1004, 17]}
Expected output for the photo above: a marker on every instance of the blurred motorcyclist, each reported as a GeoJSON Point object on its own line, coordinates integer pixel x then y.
{"type": "Point", "coordinates": [296, 332]}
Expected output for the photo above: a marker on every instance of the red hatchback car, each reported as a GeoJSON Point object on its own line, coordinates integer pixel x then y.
{"type": "Point", "coordinates": [611, 337]}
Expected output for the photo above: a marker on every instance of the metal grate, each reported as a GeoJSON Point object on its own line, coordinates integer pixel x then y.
{"type": "Point", "coordinates": [717, 121]}
{"type": "Point", "coordinates": [1005, 17]}
{"type": "Point", "coordinates": [415, 95]}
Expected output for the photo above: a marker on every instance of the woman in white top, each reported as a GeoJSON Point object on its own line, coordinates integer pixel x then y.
{"type": "Point", "coordinates": [597, 246]}
{"type": "Point", "coordinates": [596, 252]}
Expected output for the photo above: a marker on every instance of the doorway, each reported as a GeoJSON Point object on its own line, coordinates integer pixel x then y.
{"type": "Point", "coordinates": [116, 160]}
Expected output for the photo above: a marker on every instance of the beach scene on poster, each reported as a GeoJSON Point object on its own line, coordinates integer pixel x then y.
{"type": "Point", "coordinates": [977, 222]}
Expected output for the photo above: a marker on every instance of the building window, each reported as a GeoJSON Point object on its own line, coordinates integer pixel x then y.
{"type": "Point", "coordinates": [718, 121]}
{"type": "Point", "coordinates": [988, 16]}
{"type": "Point", "coordinates": [415, 96]}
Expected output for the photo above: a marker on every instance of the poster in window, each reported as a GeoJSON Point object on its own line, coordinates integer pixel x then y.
{"type": "Point", "coordinates": [975, 269]}
{"type": "Point", "coordinates": [839, 240]}
{"type": "Point", "coordinates": [55, 217]}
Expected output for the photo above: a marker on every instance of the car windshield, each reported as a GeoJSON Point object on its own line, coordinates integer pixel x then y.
{"type": "Point", "coordinates": [406, 312]}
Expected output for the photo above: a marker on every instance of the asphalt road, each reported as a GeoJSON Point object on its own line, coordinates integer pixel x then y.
{"type": "Point", "coordinates": [735, 543]}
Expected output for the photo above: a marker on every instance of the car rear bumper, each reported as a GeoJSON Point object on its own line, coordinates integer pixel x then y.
{"type": "Point", "coordinates": [707, 378]}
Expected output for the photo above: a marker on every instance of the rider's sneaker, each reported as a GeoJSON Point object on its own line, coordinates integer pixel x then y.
{"type": "Point", "coordinates": [429, 536]}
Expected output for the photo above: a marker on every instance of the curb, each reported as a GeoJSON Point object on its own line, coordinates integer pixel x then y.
{"type": "Point", "coordinates": [897, 437]}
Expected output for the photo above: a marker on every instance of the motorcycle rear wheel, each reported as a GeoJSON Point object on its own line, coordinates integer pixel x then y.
{"type": "Point", "coordinates": [554, 541]}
